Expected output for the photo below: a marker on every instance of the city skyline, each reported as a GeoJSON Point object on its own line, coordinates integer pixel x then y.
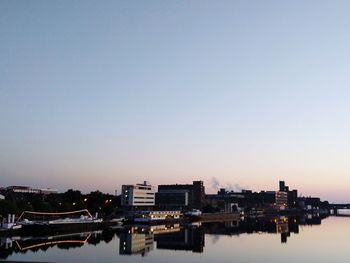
{"type": "Point", "coordinates": [93, 96]}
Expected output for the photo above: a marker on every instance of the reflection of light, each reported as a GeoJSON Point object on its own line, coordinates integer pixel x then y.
{"type": "Point", "coordinates": [54, 243]}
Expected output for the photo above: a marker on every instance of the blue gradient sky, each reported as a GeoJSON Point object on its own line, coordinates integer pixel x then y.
{"type": "Point", "coordinates": [94, 94]}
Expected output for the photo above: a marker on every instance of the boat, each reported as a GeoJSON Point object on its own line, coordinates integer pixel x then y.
{"type": "Point", "coordinates": [9, 225]}
{"type": "Point", "coordinates": [157, 216]}
{"type": "Point", "coordinates": [193, 213]}
{"type": "Point", "coordinates": [117, 221]}
{"type": "Point", "coordinates": [68, 223]}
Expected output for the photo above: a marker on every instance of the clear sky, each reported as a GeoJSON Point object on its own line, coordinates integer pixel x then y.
{"type": "Point", "coordinates": [95, 94]}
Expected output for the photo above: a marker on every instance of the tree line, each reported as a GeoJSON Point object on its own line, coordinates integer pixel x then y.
{"type": "Point", "coordinates": [96, 202]}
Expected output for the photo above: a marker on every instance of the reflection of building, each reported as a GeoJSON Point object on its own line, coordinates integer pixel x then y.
{"type": "Point", "coordinates": [181, 196]}
{"type": "Point", "coordinates": [5, 243]}
{"type": "Point", "coordinates": [139, 195]}
{"type": "Point", "coordinates": [136, 242]}
{"type": "Point", "coordinates": [273, 225]}
{"type": "Point", "coordinates": [140, 239]}
{"type": "Point", "coordinates": [190, 239]}
{"type": "Point", "coordinates": [164, 229]}
{"type": "Point", "coordinates": [282, 225]}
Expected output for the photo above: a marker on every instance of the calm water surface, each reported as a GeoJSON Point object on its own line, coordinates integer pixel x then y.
{"type": "Point", "coordinates": [256, 240]}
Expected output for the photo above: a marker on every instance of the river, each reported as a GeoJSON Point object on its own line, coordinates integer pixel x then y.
{"type": "Point", "coordinates": [273, 239]}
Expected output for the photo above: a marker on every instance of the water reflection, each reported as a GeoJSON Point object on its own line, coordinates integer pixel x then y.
{"type": "Point", "coordinates": [24, 244]}
{"type": "Point", "coordinates": [143, 240]}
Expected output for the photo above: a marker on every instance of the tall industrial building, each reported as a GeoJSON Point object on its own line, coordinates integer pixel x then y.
{"type": "Point", "coordinates": [138, 195]}
{"type": "Point", "coordinates": [181, 196]}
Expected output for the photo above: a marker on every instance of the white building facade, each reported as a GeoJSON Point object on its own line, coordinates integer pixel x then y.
{"type": "Point", "coordinates": [138, 195]}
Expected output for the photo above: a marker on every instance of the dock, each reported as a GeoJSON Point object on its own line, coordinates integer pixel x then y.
{"type": "Point", "coordinates": [218, 217]}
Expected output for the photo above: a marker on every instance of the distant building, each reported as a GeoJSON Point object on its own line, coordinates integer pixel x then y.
{"type": "Point", "coordinates": [224, 201]}
{"type": "Point", "coordinates": [282, 186]}
{"type": "Point", "coordinates": [173, 199]}
{"type": "Point", "coordinates": [29, 190]}
{"type": "Point", "coordinates": [281, 200]}
{"type": "Point", "coordinates": [292, 198]}
{"type": "Point", "coordinates": [181, 196]}
{"type": "Point", "coordinates": [138, 195]}
{"type": "Point", "coordinates": [2, 197]}
{"type": "Point", "coordinates": [47, 191]}
{"type": "Point", "coordinates": [292, 195]}
{"type": "Point", "coordinates": [310, 204]}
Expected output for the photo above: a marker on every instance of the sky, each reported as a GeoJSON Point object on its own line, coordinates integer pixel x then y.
{"type": "Point", "coordinates": [242, 94]}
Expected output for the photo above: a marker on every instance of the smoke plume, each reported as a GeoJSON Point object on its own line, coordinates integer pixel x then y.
{"type": "Point", "coordinates": [215, 183]}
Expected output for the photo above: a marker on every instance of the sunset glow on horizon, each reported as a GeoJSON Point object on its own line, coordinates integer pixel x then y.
{"type": "Point", "coordinates": [236, 95]}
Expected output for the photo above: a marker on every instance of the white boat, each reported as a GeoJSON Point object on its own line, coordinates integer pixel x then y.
{"type": "Point", "coordinates": [154, 216]}
{"type": "Point", "coordinates": [69, 219]}
{"type": "Point", "coordinates": [194, 212]}
{"type": "Point", "coordinates": [118, 221]}
{"type": "Point", "coordinates": [10, 224]}
{"type": "Point", "coordinates": [81, 220]}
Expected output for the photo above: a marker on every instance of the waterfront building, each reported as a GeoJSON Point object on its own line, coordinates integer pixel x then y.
{"type": "Point", "coordinates": [229, 201]}
{"type": "Point", "coordinates": [292, 194]}
{"type": "Point", "coordinates": [224, 201]}
{"type": "Point", "coordinates": [292, 198]}
{"type": "Point", "coordinates": [29, 190]}
{"type": "Point", "coordinates": [283, 186]}
{"type": "Point", "coordinates": [173, 199]}
{"type": "Point", "coordinates": [138, 195]}
{"type": "Point", "coordinates": [181, 196]}
{"type": "Point", "coordinates": [310, 204]}
{"type": "Point", "coordinates": [281, 200]}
